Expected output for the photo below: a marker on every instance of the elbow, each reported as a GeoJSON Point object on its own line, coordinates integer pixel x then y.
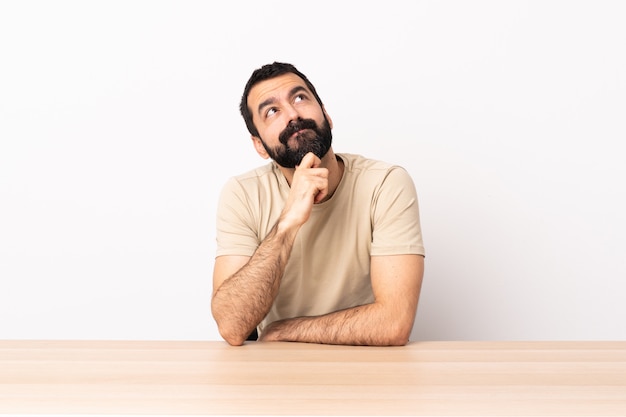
{"type": "Point", "coordinates": [234, 341]}
{"type": "Point", "coordinates": [398, 339]}
{"type": "Point", "coordinates": [232, 337]}
{"type": "Point", "coordinates": [229, 330]}
{"type": "Point", "coordinates": [400, 333]}
{"type": "Point", "coordinates": [401, 341]}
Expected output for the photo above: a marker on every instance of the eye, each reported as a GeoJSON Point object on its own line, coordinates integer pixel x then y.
{"type": "Point", "coordinates": [270, 112]}
{"type": "Point", "coordinates": [299, 98]}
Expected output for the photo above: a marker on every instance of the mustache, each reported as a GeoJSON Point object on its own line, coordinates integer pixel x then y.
{"type": "Point", "coordinates": [295, 126]}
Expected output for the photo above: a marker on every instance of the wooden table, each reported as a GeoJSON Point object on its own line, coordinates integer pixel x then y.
{"type": "Point", "coordinates": [209, 378]}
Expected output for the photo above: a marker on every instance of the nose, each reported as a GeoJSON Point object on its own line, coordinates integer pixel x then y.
{"type": "Point", "coordinates": [291, 113]}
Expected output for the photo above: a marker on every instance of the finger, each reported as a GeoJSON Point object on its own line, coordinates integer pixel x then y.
{"type": "Point", "coordinates": [310, 160]}
{"type": "Point", "coordinates": [320, 196]}
{"type": "Point", "coordinates": [322, 186]}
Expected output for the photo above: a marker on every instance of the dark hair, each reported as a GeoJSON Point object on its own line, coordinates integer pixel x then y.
{"type": "Point", "coordinates": [267, 72]}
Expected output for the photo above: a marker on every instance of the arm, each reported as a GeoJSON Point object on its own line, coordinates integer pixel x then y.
{"type": "Point", "coordinates": [244, 288]}
{"type": "Point", "coordinates": [396, 283]}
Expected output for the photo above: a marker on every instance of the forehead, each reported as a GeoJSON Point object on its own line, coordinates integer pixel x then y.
{"type": "Point", "coordinates": [273, 88]}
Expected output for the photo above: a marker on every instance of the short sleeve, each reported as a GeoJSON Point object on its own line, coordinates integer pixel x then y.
{"type": "Point", "coordinates": [235, 234]}
{"type": "Point", "coordinates": [396, 217]}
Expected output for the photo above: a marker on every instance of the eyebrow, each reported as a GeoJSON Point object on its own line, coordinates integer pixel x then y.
{"type": "Point", "coordinates": [272, 100]}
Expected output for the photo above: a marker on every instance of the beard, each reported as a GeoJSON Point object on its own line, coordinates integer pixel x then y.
{"type": "Point", "coordinates": [316, 139]}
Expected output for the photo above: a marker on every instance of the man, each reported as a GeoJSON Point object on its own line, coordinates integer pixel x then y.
{"type": "Point", "coordinates": [315, 246]}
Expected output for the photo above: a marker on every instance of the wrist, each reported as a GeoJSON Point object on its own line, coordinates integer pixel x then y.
{"type": "Point", "coordinates": [287, 228]}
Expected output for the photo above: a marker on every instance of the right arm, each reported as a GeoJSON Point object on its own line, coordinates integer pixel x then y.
{"type": "Point", "coordinates": [244, 288]}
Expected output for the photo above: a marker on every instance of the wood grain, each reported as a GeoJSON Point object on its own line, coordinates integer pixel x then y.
{"type": "Point", "coordinates": [211, 378]}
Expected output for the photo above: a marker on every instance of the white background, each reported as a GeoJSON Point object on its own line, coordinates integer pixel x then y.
{"type": "Point", "coordinates": [119, 124]}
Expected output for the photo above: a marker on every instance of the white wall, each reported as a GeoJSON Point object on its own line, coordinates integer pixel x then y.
{"type": "Point", "coordinates": [119, 124]}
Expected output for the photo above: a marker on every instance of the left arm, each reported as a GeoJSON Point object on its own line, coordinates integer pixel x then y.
{"type": "Point", "coordinates": [396, 284]}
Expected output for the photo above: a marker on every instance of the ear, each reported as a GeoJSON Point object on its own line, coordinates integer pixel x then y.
{"type": "Point", "coordinates": [258, 146]}
{"type": "Point", "coordinates": [330, 121]}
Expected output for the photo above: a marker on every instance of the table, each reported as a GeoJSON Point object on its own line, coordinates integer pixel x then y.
{"type": "Point", "coordinates": [213, 378]}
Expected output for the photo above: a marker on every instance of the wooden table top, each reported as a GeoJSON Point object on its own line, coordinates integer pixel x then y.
{"type": "Point", "coordinates": [212, 378]}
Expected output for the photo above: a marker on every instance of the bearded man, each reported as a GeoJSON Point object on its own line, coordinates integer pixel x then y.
{"type": "Point", "coordinates": [314, 246]}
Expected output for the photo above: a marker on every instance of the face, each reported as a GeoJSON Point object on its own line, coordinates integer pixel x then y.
{"type": "Point", "coordinates": [289, 120]}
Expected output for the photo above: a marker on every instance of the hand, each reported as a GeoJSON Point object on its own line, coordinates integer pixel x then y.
{"type": "Point", "coordinates": [272, 332]}
{"type": "Point", "coordinates": [308, 186]}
